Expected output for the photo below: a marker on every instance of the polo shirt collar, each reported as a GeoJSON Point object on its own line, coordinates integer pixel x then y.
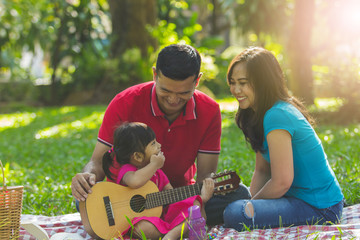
{"type": "Point", "coordinates": [189, 112]}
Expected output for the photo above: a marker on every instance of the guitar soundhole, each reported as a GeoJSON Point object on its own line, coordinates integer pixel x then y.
{"type": "Point", "coordinates": [137, 203]}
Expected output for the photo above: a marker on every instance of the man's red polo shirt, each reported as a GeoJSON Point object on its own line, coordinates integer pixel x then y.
{"type": "Point", "coordinates": [197, 130]}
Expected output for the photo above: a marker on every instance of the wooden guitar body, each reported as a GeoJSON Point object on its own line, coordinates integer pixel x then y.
{"type": "Point", "coordinates": [94, 214]}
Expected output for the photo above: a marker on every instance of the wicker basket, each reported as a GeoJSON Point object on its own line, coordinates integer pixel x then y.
{"type": "Point", "coordinates": [10, 209]}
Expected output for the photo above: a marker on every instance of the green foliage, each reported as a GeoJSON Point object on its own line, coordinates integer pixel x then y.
{"type": "Point", "coordinates": [179, 17]}
{"type": "Point", "coordinates": [62, 32]}
{"type": "Point", "coordinates": [259, 16]}
{"type": "Point", "coordinates": [42, 149]}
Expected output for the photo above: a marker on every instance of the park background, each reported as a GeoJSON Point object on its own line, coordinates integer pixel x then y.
{"type": "Point", "coordinates": [62, 61]}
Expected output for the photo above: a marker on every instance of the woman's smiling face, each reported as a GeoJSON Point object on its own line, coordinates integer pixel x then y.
{"type": "Point", "coordinates": [240, 86]}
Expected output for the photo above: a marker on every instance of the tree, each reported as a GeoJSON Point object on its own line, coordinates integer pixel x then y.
{"type": "Point", "coordinates": [271, 18]}
{"type": "Point", "coordinates": [63, 30]}
{"type": "Point", "coordinates": [130, 45]}
{"type": "Point", "coordinates": [129, 20]}
{"type": "Point", "coordinates": [302, 83]}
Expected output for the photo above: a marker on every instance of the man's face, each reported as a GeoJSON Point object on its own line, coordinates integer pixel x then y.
{"type": "Point", "coordinates": [173, 95]}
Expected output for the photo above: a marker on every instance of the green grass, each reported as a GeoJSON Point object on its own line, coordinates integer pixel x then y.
{"type": "Point", "coordinates": [43, 148]}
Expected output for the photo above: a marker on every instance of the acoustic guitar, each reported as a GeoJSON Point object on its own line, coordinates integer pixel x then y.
{"type": "Point", "coordinates": [105, 211]}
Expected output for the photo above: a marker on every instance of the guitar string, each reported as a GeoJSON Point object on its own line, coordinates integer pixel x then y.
{"type": "Point", "coordinates": [155, 200]}
{"type": "Point", "coordinates": [166, 196]}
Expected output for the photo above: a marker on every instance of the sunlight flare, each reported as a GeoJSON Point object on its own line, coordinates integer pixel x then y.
{"type": "Point", "coordinates": [16, 120]}
{"type": "Point", "coordinates": [64, 129]}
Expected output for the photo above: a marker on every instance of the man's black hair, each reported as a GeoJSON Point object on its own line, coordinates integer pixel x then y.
{"type": "Point", "coordinates": [178, 62]}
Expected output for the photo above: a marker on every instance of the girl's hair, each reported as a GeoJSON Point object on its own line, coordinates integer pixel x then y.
{"type": "Point", "coordinates": [129, 137]}
{"type": "Point", "coordinates": [268, 82]}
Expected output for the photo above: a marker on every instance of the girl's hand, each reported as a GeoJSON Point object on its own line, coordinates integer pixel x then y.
{"type": "Point", "coordinates": [158, 160]}
{"type": "Point", "coordinates": [207, 189]}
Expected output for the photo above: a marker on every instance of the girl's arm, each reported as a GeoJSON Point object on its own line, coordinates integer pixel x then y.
{"type": "Point", "coordinates": [281, 165]}
{"type": "Point", "coordinates": [261, 174]}
{"type": "Point", "coordinates": [138, 178]}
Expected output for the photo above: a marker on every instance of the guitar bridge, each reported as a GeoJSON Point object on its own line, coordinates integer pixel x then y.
{"type": "Point", "coordinates": [109, 211]}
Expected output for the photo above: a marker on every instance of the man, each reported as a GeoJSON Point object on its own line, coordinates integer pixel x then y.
{"type": "Point", "coordinates": [187, 123]}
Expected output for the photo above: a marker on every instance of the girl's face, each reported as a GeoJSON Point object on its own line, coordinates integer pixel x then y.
{"type": "Point", "coordinates": [153, 148]}
{"type": "Point", "coordinates": [240, 87]}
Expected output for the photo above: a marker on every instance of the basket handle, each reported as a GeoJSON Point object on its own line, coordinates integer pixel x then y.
{"type": "Point", "coordinates": [4, 182]}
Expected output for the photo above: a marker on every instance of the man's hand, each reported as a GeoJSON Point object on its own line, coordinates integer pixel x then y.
{"type": "Point", "coordinates": [207, 189]}
{"type": "Point", "coordinates": [81, 185]}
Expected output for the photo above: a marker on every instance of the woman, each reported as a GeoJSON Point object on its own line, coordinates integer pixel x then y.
{"type": "Point", "coordinates": [292, 183]}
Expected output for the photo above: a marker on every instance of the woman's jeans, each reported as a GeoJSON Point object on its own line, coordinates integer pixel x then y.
{"type": "Point", "coordinates": [215, 207]}
{"type": "Point", "coordinates": [282, 212]}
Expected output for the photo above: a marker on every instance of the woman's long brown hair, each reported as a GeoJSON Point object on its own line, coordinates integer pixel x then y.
{"type": "Point", "coordinates": [267, 79]}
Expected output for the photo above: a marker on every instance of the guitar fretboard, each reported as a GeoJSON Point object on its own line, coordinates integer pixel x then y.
{"type": "Point", "coordinates": [172, 195]}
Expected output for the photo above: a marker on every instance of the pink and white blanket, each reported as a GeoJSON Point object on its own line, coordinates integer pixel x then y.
{"type": "Point", "coordinates": [349, 228]}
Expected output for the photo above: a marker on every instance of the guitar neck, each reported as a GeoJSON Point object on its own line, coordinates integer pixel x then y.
{"type": "Point", "coordinates": [172, 195]}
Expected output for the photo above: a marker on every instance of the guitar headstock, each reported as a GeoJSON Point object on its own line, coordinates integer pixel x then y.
{"type": "Point", "coordinates": [225, 182]}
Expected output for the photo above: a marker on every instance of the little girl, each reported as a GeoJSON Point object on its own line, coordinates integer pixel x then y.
{"type": "Point", "coordinates": [137, 158]}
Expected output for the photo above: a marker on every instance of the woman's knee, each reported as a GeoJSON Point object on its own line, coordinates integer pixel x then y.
{"type": "Point", "coordinates": [249, 210]}
{"type": "Point", "coordinates": [238, 214]}
{"type": "Point", "coordinates": [244, 191]}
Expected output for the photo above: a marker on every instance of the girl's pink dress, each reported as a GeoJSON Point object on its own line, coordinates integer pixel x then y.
{"type": "Point", "coordinates": [173, 214]}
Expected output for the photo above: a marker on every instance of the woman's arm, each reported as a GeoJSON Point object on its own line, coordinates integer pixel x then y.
{"type": "Point", "coordinates": [281, 165]}
{"type": "Point", "coordinates": [261, 174]}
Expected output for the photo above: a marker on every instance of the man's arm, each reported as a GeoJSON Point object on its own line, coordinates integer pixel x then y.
{"type": "Point", "coordinates": [206, 164]}
{"type": "Point", "coordinates": [92, 172]}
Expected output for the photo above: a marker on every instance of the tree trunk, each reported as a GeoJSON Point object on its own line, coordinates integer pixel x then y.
{"type": "Point", "coordinates": [56, 56]}
{"type": "Point", "coordinates": [129, 20]}
{"type": "Point", "coordinates": [301, 82]}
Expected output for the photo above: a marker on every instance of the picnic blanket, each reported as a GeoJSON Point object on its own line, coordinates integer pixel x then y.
{"type": "Point", "coordinates": [349, 228]}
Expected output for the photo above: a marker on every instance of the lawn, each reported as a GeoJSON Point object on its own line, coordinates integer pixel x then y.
{"type": "Point", "coordinates": [43, 148]}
